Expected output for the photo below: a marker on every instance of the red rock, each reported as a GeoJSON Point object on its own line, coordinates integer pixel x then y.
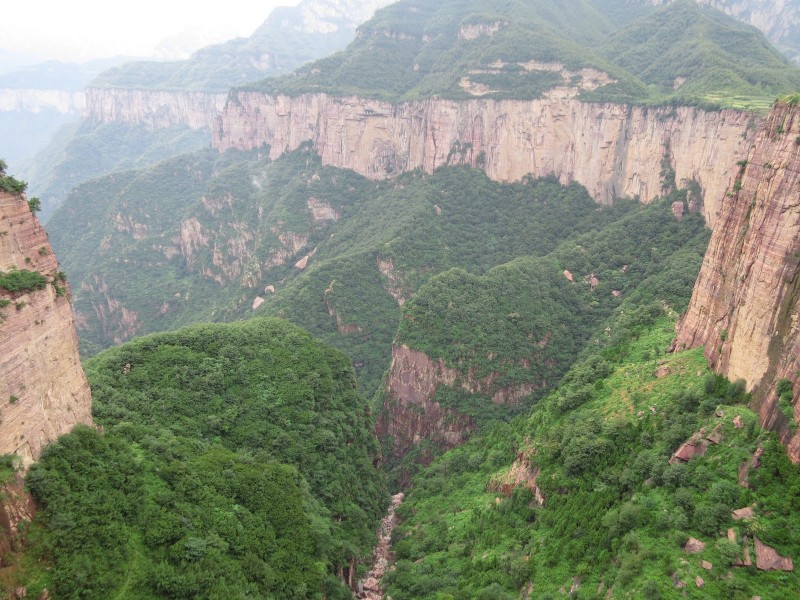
{"type": "Point", "coordinates": [738, 422]}
{"type": "Point", "coordinates": [743, 513]}
{"type": "Point", "coordinates": [569, 276]}
{"type": "Point", "coordinates": [746, 283]}
{"type": "Point", "coordinates": [706, 565]}
{"type": "Point", "coordinates": [693, 546]}
{"type": "Point", "coordinates": [767, 559]}
{"type": "Point", "coordinates": [698, 581]}
{"type": "Point", "coordinates": [608, 148]}
{"type": "Point", "coordinates": [39, 361]}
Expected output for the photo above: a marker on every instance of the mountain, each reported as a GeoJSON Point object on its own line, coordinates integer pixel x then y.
{"type": "Point", "coordinates": [779, 21]}
{"type": "Point", "coordinates": [522, 50]}
{"type": "Point", "coordinates": [290, 37]}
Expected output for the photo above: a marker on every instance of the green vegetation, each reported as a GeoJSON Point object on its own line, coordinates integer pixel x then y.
{"type": "Point", "coordinates": [236, 462]}
{"type": "Point", "coordinates": [85, 150]}
{"type": "Point", "coordinates": [21, 281]}
{"type": "Point", "coordinates": [8, 183]}
{"type": "Point", "coordinates": [677, 54]}
{"type": "Point", "coordinates": [616, 513]}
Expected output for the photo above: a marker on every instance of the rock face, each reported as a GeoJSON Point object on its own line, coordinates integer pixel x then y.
{"type": "Point", "coordinates": [153, 109]}
{"type": "Point", "coordinates": [43, 390]}
{"type": "Point", "coordinates": [745, 304]}
{"type": "Point", "coordinates": [613, 150]}
{"type": "Point", "coordinates": [410, 413]}
{"type": "Point", "coordinates": [35, 101]}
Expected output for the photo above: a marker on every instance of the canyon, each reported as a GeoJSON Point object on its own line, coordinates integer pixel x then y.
{"type": "Point", "coordinates": [43, 390]}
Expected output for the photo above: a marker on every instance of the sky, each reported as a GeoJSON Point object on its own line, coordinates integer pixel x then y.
{"type": "Point", "coordinates": [80, 30]}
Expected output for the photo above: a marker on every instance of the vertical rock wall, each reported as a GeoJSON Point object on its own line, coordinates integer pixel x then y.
{"type": "Point", "coordinates": [43, 390]}
{"type": "Point", "coordinates": [745, 308]}
{"type": "Point", "coordinates": [614, 150]}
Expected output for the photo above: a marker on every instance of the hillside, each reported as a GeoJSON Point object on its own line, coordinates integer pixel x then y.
{"type": "Point", "coordinates": [586, 494]}
{"type": "Point", "coordinates": [526, 50]}
{"type": "Point", "coordinates": [236, 461]}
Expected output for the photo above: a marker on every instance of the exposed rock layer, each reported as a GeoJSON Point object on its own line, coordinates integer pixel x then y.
{"type": "Point", "coordinates": [614, 150]}
{"type": "Point", "coordinates": [43, 390]}
{"type": "Point", "coordinates": [410, 414]}
{"type": "Point", "coordinates": [35, 101]}
{"type": "Point", "coordinates": [745, 304]}
{"type": "Point", "coordinates": [153, 109]}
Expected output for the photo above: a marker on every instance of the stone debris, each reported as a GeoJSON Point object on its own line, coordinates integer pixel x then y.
{"type": "Point", "coordinates": [768, 559]}
{"type": "Point", "coordinates": [270, 289]}
{"type": "Point", "coordinates": [370, 586]}
{"type": "Point", "coordinates": [738, 422]}
{"type": "Point", "coordinates": [694, 446]}
{"type": "Point", "coordinates": [569, 276]}
{"type": "Point", "coordinates": [257, 302]}
{"type": "Point", "coordinates": [743, 513]}
{"type": "Point", "coordinates": [616, 293]}
{"type": "Point", "coordinates": [715, 437]}
{"type": "Point", "coordinates": [693, 546]}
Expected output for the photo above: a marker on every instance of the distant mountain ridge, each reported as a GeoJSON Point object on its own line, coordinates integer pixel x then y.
{"type": "Point", "coordinates": [290, 37]}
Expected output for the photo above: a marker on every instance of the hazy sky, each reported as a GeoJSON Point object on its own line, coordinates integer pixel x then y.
{"type": "Point", "coordinates": [78, 30]}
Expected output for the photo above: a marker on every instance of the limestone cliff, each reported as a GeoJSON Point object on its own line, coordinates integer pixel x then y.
{"type": "Point", "coordinates": [43, 391]}
{"type": "Point", "coordinates": [152, 108]}
{"type": "Point", "coordinates": [614, 150]}
{"type": "Point", "coordinates": [746, 301]}
{"type": "Point", "coordinates": [36, 100]}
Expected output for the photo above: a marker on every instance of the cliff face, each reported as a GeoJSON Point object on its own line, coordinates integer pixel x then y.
{"type": "Point", "coordinates": [745, 304]}
{"type": "Point", "coordinates": [613, 150]}
{"type": "Point", "coordinates": [410, 413]}
{"type": "Point", "coordinates": [35, 101]}
{"type": "Point", "coordinates": [43, 391]}
{"type": "Point", "coordinates": [153, 109]}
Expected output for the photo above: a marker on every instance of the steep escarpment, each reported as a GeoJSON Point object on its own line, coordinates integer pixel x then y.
{"type": "Point", "coordinates": [745, 303]}
{"type": "Point", "coordinates": [43, 391]}
{"type": "Point", "coordinates": [36, 100]}
{"type": "Point", "coordinates": [613, 150]}
{"type": "Point", "coordinates": [153, 109]}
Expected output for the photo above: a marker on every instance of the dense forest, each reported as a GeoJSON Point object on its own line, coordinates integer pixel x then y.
{"type": "Point", "coordinates": [235, 461]}
{"type": "Point", "coordinates": [680, 53]}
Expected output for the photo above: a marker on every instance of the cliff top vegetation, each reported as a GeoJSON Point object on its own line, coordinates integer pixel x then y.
{"type": "Point", "coordinates": [677, 54]}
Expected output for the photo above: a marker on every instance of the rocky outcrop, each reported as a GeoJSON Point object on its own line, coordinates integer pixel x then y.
{"type": "Point", "coordinates": [410, 414]}
{"type": "Point", "coordinates": [43, 391]}
{"type": "Point", "coordinates": [614, 150]}
{"type": "Point", "coordinates": [746, 301]}
{"type": "Point", "coordinates": [153, 109]}
{"type": "Point", "coordinates": [16, 509]}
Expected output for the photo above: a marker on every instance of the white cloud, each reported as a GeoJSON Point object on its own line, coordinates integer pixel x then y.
{"type": "Point", "coordinates": [84, 29]}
